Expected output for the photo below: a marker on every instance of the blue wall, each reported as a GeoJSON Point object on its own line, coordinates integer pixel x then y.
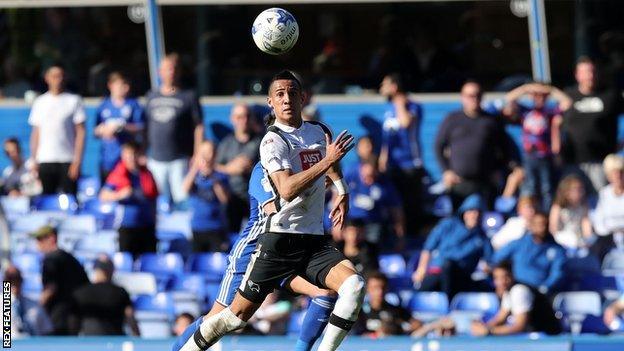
{"type": "Point", "coordinates": [358, 118]}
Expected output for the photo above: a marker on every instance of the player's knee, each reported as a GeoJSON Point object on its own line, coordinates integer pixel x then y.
{"type": "Point", "coordinates": [353, 287]}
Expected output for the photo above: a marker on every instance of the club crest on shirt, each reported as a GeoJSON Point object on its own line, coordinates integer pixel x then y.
{"type": "Point", "coordinates": [309, 158]}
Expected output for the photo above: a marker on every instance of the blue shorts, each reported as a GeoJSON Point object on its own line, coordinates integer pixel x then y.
{"type": "Point", "coordinates": [238, 260]}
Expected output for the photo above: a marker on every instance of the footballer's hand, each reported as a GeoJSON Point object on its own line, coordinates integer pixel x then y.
{"type": "Point", "coordinates": [340, 210]}
{"type": "Point", "coordinates": [337, 149]}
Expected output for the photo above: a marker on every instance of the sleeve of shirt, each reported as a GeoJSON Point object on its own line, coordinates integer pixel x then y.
{"type": "Point", "coordinates": [34, 119]}
{"type": "Point", "coordinates": [138, 117]}
{"type": "Point", "coordinates": [98, 114]}
{"type": "Point", "coordinates": [221, 152]}
{"type": "Point", "coordinates": [441, 142]}
{"type": "Point", "coordinates": [520, 299]}
{"type": "Point", "coordinates": [79, 114]}
{"type": "Point", "coordinates": [435, 236]}
{"type": "Point", "coordinates": [274, 153]}
{"type": "Point", "coordinates": [251, 149]}
{"type": "Point", "coordinates": [196, 110]}
{"type": "Point", "coordinates": [49, 272]}
{"type": "Point", "coordinates": [504, 253]}
{"type": "Point", "coordinates": [556, 271]}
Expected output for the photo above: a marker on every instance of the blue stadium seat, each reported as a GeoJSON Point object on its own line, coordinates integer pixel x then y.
{"type": "Point", "coordinates": [171, 241]}
{"type": "Point", "coordinates": [31, 222]}
{"type": "Point", "coordinates": [88, 188]}
{"type": "Point", "coordinates": [163, 204]}
{"type": "Point", "coordinates": [104, 212]}
{"type": "Point", "coordinates": [28, 263]}
{"type": "Point", "coordinates": [594, 325]}
{"type": "Point", "coordinates": [442, 206]}
{"type": "Point", "coordinates": [21, 243]}
{"type": "Point", "coordinates": [191, 282]}
{"type": "Point", "coordinates": [613, 262]}
{"type": "Point", "coordinates": [161, 303]}
{"type": "Point", "coordinates": [212, 291]}
{"type": "Point", "coordinates": [392, 265]}
{"type": "Point", "coordinates": [163, 266]}
{"type": "Point", "coordinates": [491, 222]}
{"type": "Point", "coordinates": [151, 328]}
{"type": "Point", "coordinates": [136, 283]}
{"type": "Point", "coordinates": [484, 303]}
{"type": "Point", "coordinates": [123, 261]}
{"type": "Point", "coordinates": [55, 203]}
{"type": "Point", "coordinates": [428, 305]}
{"type": "Point", "coordinates": [211, 264]}
{"type": "Point", "coordinates": [295, 322]}
{"type": "Point", "coordinates": [578, 303]}
{"type": "Point", "coordinates": [84, 223]}
{"type": "Point", "coordinates": [178, 221]}
{"type": "Point", "coordinates": [15, 206]}
{"type": "Point", "coordinates": [105, 242]}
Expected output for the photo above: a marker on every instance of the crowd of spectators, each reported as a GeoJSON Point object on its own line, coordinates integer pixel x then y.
{"type": "Point", "coordinates": [567, 182]}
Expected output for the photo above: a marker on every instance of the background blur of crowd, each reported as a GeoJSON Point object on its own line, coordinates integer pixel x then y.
{"type": "Point", "coordinates": [522, 223]}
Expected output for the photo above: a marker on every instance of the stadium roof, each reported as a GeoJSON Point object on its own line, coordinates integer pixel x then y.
{"type": "Point", "coordinates": [98, 3]}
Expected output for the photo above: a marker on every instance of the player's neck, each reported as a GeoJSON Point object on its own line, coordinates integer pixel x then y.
{"type": "Point", "coordinates": [292, 122]}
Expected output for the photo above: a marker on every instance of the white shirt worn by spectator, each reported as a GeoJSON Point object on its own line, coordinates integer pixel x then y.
{"type": "Point", "coordinates": [513, 229]}
{"type": "Point", "coordinates": [56, 117]}
{"type": "Point", "coordinates": [518, 300]}
{"type": "Point", "coordinates": [608, 217]}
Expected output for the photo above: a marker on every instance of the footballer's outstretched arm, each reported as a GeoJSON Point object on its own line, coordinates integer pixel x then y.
{"type": "Point", "coordinates": [290, 185]}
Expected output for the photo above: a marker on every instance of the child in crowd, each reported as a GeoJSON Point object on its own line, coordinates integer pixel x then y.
{"type": "Point", "coordinates": [515, 227]}
{"type": "Point", "coordinates": [569, 215]}
{"type": "Point", "coordinates": [208, 195]}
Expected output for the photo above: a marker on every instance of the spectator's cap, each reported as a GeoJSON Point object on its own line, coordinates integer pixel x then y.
{"type": "Point", "coordinates": [42, 232]}
{"type": "Point", "coordinates": [472, 202]}
{"type": "Point", "coordinates": [104, 264]}
{"type": "Point", "coordinates": [613, 162]}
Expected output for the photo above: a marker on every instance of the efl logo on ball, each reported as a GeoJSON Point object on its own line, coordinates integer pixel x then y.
{"type": "Point", "coordinates": [275, 31]}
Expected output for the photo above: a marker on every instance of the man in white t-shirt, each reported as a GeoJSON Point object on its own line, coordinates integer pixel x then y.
{"type": "Point", "coordinates": [58, 135]}
{"type": "Point", "coordinates": [523, 309]}
{"type": "Point", "coordinates": [297, 156]}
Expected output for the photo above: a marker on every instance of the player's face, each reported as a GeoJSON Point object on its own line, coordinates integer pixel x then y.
{"type": "Point", "coordinates": [286, 99]}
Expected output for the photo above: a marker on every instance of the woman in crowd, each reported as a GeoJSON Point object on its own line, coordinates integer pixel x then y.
{"type": "Point", "coordinates": [569, 214]}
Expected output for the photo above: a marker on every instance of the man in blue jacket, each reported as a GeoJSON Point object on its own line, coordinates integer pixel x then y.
{"type": "Point", "coordinates": [453, 250]}
{"type": "Point", "coordinates": [537, 260]}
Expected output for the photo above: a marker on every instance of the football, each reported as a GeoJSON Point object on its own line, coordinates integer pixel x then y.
{"type": "Point", "coordinates": [275, 31]}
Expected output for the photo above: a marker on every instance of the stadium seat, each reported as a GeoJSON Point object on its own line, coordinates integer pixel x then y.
{"type": "Point", "coordinates": [392, 265]}
{"type": "Point", "coordinates": [613, 262]}
{"type": "Point", "coordinates": [123, 261]}
{"type": "Point", "coordinates": [163, 266]}
{"type": "Point", "coordinates": [15, 206]}
{"type": "Point", "coordinates": [428, 305]}
{"type": "Point", "coordinates": [106, 242]}
{"type": "Point", "coordinates": [67, 240]}
{"type": "Point", "coordinates": [173, 242]}
{"type": "Point", "coordinates": [55, 203]}
{"type": "Point", "coordinates": [84, 223]}
{"type": "Point", "coordinates": [32, 221]}
{"type": "Point", "coordinates": [295, 322]}
{"type": "Point", "coordinates": [578, 303]}
{"type": "Point", "coordinates": [151, 328]}
{"type": "Point", "coordinates": [190, 282]}
{"type": "Point", "coordinates": [161, 303]}
{"type": "Point", "coordinates": [212, 290]}
{"type": "Point", "coordinates": [484, 303]}
{"type": "Point", "coordinates": [88, 188]}
{"type": "Point", "coordinates": [104, 212]}
{"type": "Point", "coordinates": [32, 285]}
{"type": "Point", "coordinates": [28, 263]}
{"type": "Point", "coordinates": [212, 265]}
{"type": "Point", "coordinates": [163, 204]}
{"type": "Point", "coordinates": [22, 243]}
{"type": "Point", "coordinates": [178, 221]}
{"type": "Point", "coordinates": [491, 222]}
{"type": "Point", "coordinates": [136, 283]}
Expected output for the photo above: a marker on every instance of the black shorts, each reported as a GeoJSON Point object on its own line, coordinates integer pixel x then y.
{"type": "Point", "coordinates": [280, 256]}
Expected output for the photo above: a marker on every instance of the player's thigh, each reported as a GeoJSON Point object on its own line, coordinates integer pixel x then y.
{"type": "Point", "coordinates": [338, 274]}
{"type": "Point", "coordinates": [301, 286]}
{"type": "Point", "coordinates": [326, 259]}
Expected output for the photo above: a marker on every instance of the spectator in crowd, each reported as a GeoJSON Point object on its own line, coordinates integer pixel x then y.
{"type": "Point", "coordinates": [453, 250]}
{"type": "Point", "coordinates": [100, 308]}
{"type": "Point", "coordinates": [175, 129]}
{"type": "Point", "coordinates": [515, 227]}
{"type": "Point", "coordinates": [614, 315]}
{"type": "Point", "coordinates": [58, 135]}
{"type": "Point", "coordinates": [28, 318]}
{"type": "Point", "coordinates": [18, 178]}
{"type": "Point", "coordinates": [376, 202]}
{"type": "Point", "coordinates": [537, 260]}
{"type": "Point", "coordinates": [523, 309]}
{"type": "Point", "coordinates": [590, 125]}
{"type": "Point", "coordinates": [118, 119]}
{"type": "Point", "coordinates": [132, 186]}
{"type": "Point", "coordinates": [61, 276]}
{"type": "Point", "coordinates": [569, 214]}
{"type": "Point", "coordinates": [608, 219]}
{"type": "Point", "coordinates": [365, 153]}
{"type": "Point", "coordinates": [540, 135]}
{"type": "Point", "coordinates": [236, 155]}
{"type": "Point", "coordinates": [362, 254]}
{"type": "Point", "coordinates": [208, 194]}
{"type": "Point", "coordinates": [378, 318]}
{"type": "Point", "coordinates": [401, 150]}
{"type": "Point", "coordinates": [472, 147]}
{"type": "Point", "coordinates": [182, 321]}
{"type": "Point", "coordinates": [272, 316]}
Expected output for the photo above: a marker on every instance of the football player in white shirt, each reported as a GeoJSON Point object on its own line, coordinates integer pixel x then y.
{"type": "Point", "coordinates": [296, 155]}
